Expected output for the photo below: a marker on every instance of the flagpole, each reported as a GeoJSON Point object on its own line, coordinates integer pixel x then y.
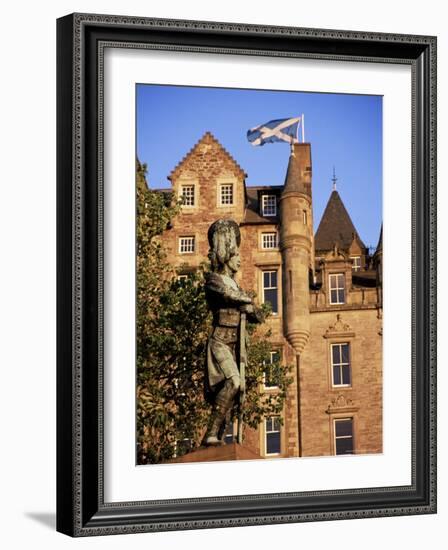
{"type": "Point", "coordinates": [303, 128]}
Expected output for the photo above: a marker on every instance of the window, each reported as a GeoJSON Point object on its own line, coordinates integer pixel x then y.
{"type": "Point", "coordinates": [270, 290]}
{"type": "Point", "coordinates": [356, 266]}
{"type": "Point", "coordinates": [269, 378]}
{"type": "Point", "coordinates": [343, 436]}
{"type": "Point", "coordinates": [337, 288]}
{"type": "Point", "coordinates": [304, 217]}
{"type": "Point", "coordinates": [186, 245]}
{"type": "Point", "coordinates": [182, 278]}
{"type": "Point", "coordinates": [269, 240]}
{"type": "Point", "coordinates": [269, 205]}
{"type": "Point", "coordinates": [226, 194]}
{"type": "Point", "coordinates": [340, 364]}
{"type": "Point", "coordinates": [187, 195]}
{"type": "Point", "coordinates": [272, 435]}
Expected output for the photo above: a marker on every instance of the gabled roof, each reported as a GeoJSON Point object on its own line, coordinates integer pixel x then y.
{"type": "Point", "coordinates": [209, 139]}
{"type": "Point", "coordinates": [335, 226]}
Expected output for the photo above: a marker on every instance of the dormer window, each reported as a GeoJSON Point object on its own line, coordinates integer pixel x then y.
{"type": "Point", "coordinates": [226, 194]}
{"type": "Point", "coordinates": [337, 288]}
{"type": "Point", "coordinates": [269, 205]}
{"type": "Point", "coordinates": [356, 265]}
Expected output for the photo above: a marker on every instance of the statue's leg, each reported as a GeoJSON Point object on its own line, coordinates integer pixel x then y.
{"type": "Point", "coordinates": [223, 404]}
{"type": "Point", "coordinates": [223, 427]}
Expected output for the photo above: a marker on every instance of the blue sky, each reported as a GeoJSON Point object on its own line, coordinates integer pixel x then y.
{"type": "Point", "coordinates": [345, 131]}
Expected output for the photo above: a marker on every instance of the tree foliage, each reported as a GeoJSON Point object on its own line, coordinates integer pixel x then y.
{"type": "Point", "coordinates": [173, 323]}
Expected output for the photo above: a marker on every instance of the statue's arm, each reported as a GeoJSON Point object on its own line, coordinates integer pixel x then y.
{"type": "Point", "coordinates": [216, 285]}
{"type": "Point", "coordinates": [254, 314]}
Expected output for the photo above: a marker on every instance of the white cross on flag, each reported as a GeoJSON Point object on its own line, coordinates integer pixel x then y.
{"type": "Point", "coordinates": [280, 130]}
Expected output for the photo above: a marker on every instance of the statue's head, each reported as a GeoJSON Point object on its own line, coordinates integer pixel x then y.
{"type": "Point", "coordinates": [224, 238]}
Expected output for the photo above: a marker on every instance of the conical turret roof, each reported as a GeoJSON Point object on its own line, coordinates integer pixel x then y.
{"type": "Point", "coordinates": [336, 226]}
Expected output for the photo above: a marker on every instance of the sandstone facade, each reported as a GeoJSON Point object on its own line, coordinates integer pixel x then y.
{"type": "Point", "coordinates": [325, 289]}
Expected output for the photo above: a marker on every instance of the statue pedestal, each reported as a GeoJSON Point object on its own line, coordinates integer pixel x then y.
{"type": "Point", "coordinates": [232, 451]}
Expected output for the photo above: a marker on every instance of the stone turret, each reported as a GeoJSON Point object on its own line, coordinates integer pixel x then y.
{"type": "Point", "coordinates": [296, 245]}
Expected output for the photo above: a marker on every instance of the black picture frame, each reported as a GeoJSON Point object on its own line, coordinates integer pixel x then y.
{"type": "Point", "coordinates": [81, 510]}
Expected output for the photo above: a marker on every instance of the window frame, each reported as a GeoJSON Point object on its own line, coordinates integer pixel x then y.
{"type": "Point", "coordinates": [264, 198]}
{"type": "Point", "coordinates": [182, 196]}
{"type": "Point", "coordinates": [181, 238]}
{"type": "Point", "coordinates": [221, 186]}
{"type": "Point", "coordinates": [352, 436]}
{"type": "Point", "coordinates": [277, 288]}
{"type": "Point", "coordinates": [266, 432]}
{"type": "Point", "coordinates": [356, 268]}
{"type": "Point", "coordinates": [274, 386]}
{"type": "Point", "coordinates": [337, 288]}
{"type": "Point", "coordinates": [341, 364]}
{"type": "Point", "coordinates": [262, 243]}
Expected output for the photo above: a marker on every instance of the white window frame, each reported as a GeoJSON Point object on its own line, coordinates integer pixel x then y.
{"type": "Point", "coordinates": [182, 240]}
{"type": "Point", "coordinates": [270, 288]}
{"type": "Point", "coordinates": [341, 364]}
{"type": "Point", "coordinates": [352, 437]}
{"type": "Point", "coordinates": [272, 353]}
{"type": "Point", "coordinates": [266, 432]}
{"type": "Point", "coordinates": [335, 276]}
{"type": "Point", "coordinates": [356, 266]}
{"type": "Point", "coordinates": [182, 196]}
{"type": "Point", "coordinates": [222, 186]}
{"type": "Point", "coordinates": [274, 237]}
{"type": "Point", "coordinates": [268, 210]}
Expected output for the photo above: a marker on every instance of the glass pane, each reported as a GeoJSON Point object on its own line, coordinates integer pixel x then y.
{"type": "Point", "coordinates": [343, 427]}
{"type": "Point", "coordinates": [273, 443]}
{"type": "Point", "coordinates": [341, 296]}
{"type": "Point", "coordinates": [271, 297]}
{"type": "Point", "coordinates": [344, 348]}
{"type": "Point", "coordinates": [344, 446]}
{"type": "Point", "coordinates": [334, 296]}
{"type": "Point", "coordinates": [341, 281]}
{"type": "Point", "coordinates": [269, 424]}
{"type": "Point", "coordinates": [275, 356]}
{"type": "Point", "coordinates": [336, 376]}
{"type": "Point", "coordinates": [346, 375]}
{"type": "Point", "coordinates": [277, 424]}
{"type": "Point", "coordinates": [266, 279]}
{"type": "Point", "coordinates": [336, 354]}
{"type": "Point", "coordinates": [274, 279]}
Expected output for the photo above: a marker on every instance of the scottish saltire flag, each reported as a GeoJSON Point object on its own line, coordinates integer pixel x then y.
{"type": "Point", "coordinates": [283, 129]}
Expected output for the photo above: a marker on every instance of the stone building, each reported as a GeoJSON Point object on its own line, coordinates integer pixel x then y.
{"type": "Point", "coordinates": [324, 290]}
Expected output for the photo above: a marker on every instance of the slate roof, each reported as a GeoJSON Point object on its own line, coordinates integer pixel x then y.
{"type": "Point", "coordinates": [253, 208]}
{"type": "Point", "coordinates": [335, 226]}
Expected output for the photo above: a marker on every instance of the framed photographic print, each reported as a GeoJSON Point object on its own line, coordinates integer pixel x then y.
{"type": "Point", "coordinates": [246, 274]}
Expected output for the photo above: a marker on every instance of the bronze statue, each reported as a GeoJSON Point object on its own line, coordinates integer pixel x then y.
{"type": "Point", "coordinates": [229, 304]}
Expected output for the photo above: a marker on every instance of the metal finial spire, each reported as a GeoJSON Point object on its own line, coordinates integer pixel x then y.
{"type": "Point", "coordinates": [334, 179]}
